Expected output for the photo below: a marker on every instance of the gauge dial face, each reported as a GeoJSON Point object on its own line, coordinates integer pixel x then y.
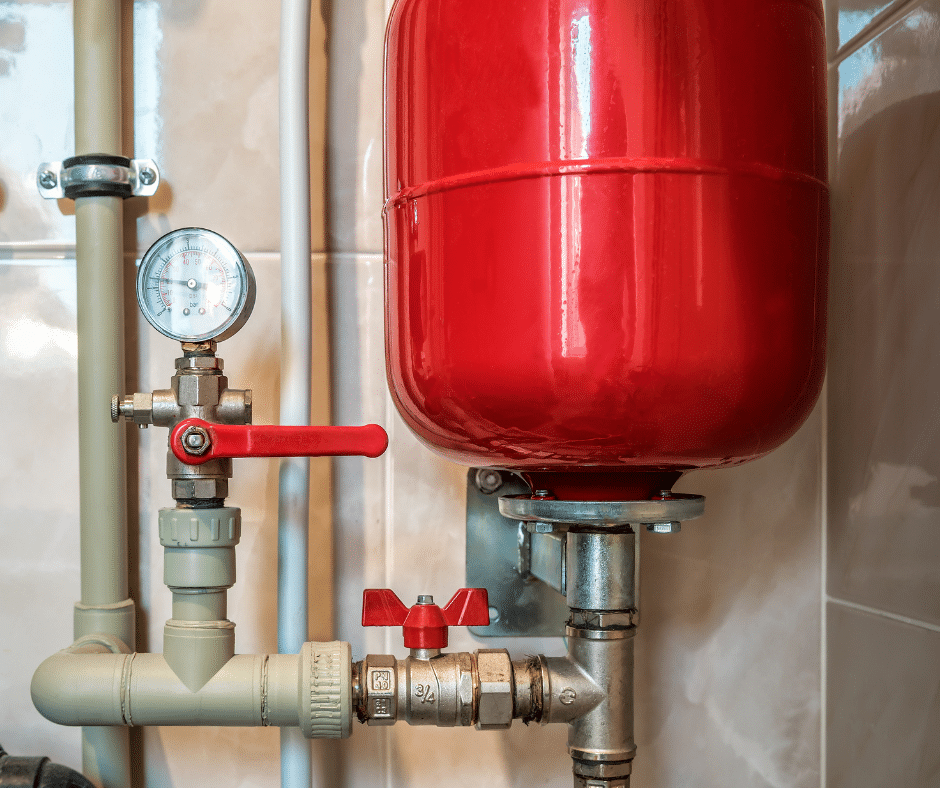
{"type": "Point", "coordinates": [193, 285]}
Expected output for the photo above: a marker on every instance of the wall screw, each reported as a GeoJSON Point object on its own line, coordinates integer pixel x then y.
{"type": "Point", "coordinates": [47, 179]}
{"type": "Point", "coordinates": [147, 176]}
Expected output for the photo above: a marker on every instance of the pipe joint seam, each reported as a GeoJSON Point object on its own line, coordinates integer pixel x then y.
{"type": "Point", "coordinates": [95, 687]}
{"type": "Point", "coordinates": [117, 619]}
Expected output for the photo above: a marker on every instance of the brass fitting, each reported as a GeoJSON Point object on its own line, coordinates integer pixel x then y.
{"type": "Point", "coordinates": [486, 689]}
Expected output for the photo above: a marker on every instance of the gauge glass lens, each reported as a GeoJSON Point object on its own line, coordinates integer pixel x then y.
{"type": "Point", "coordinates": [193, 285]}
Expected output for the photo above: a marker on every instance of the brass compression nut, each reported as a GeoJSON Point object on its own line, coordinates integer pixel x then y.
{"type": "Point", "coordinates": [496, 689]}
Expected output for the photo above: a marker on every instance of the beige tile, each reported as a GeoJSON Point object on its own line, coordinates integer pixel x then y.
{"type": "Point", "coordinates": [36, 117]}
{"type": "Point", "coordinates": [201, 99]}
{"type": "Point", "coordinates": [207, 111]}
{"type": "Point", "coordinates": [884, 371]}
{"type": "Point", "coordinates": [883, 718]}
{"type": "Point", "coordinates": [728, 674]}
{"type": "Point", "coordinates": [39, 578]}
{"type": "Point", "coordinates": [357, 31]}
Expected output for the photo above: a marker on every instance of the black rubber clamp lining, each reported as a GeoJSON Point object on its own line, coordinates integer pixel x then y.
{"type": "Point", "coordinates": [97, 188]}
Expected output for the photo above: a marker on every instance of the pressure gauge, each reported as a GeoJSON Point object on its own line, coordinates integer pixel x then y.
{"type": "Point", "coordinates": [193, 286]}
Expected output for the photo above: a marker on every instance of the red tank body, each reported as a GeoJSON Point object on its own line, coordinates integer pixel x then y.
{"type": "Point", "coordinates": [606, 233]}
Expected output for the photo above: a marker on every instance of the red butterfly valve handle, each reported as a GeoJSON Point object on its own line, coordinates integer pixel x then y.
{"type": "Point", "coordinates": [425, 624]}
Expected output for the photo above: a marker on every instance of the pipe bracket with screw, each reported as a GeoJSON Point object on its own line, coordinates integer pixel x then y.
{"type": "Point", "coordinates": [98, 175]}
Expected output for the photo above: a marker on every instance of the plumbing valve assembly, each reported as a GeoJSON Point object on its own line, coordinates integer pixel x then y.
{"type": "Point", "coordinates": [194, 287]}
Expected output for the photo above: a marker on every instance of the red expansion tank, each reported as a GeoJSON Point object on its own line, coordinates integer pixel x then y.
{"type": "Point", "coordinates": [606, 233]}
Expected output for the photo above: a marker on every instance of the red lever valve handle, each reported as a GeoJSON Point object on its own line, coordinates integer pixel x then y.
{"type": "Point", "coordinates": [425, 625]}
{"type": "Point", "coordinates": [195, 441]}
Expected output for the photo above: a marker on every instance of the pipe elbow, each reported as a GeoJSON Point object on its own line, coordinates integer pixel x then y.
{"type": "Point", "coordinates": [72, 688]}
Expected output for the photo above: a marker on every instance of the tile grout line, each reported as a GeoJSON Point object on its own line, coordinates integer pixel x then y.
{"type": "Point", "coordinates": [823, 587]}
{"type": "Point", "coordinates": [884, 614]}
{"type": "Point", "coordinates": [875, 28]}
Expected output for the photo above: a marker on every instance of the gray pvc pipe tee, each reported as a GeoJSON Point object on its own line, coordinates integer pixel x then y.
{"type": "Point", "coordinates": [312, 690]}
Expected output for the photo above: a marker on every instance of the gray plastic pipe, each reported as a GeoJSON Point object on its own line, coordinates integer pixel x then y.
{"type": "Point", "coordinates": [296, 328]}
{"type": "Point", "coordinates": [99, 250]}
{"type": "Point", "coordinates": [96, 682]}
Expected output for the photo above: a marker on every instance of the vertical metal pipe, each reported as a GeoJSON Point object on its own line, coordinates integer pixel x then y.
{"type": "Point", "coordinates": [99, 262]}
{"type": "Point", "coordinates": [296, 328]}
{"type": "Point", "coordinates": [601, 595]}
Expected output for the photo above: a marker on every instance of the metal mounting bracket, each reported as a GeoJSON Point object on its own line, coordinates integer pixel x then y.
{"type": "Point", "coordinates": [517, 546]}
{"type": "Point", "coordinates": [503, 557]}
{"type": "Point", "coordinates": [98, 175]}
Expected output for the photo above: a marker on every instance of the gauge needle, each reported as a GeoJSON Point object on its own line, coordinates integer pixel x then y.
{"type": "Point", "coordinates": [192, 284]}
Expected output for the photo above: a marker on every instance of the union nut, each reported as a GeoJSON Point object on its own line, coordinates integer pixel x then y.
{"type": "Point", "coordinates": [495, 707]}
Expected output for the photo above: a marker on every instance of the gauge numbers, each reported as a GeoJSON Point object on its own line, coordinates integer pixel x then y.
{"type": "Point", "coordinates": [193, 286]}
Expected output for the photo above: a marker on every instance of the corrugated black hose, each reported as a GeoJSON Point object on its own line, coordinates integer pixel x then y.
{"type": "Point", "coordinates": [37, 773]}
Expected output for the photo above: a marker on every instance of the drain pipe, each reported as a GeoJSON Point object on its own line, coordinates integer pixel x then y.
{"type": "Point", "coordinates": [296, 327]}
{"type": "Point", "coordinates": [105, 606]}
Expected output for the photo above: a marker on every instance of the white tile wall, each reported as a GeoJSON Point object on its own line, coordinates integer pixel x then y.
{"type": "Point", "coordinates": [884, 701]}
{"type": "Point", "coordinates": [883, 547]}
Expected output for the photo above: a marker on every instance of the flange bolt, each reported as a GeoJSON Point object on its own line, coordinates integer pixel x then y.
{"type": "Point", "coordinates": [488, 480]}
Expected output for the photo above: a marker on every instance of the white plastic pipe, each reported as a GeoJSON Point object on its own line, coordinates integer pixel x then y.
{"type": "Point", "coordinates": [294, 484]}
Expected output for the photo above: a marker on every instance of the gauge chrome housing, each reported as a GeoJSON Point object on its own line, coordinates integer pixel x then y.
{"type": "Point", "coordinates": [194, 286]}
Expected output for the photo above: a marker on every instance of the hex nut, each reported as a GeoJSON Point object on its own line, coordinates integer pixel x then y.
{"type": "Point", "coordinates": [488, 480]}
{"type": "Point", "coordinates": [673, 527]}
{"type": "Point", "coordinates": [199, 390]}
{"type": "Point", "coordinates": [201, 489]}
{"type": "Point", "coordinates": [143, 409]}
{"type": "Point", "coordinates": [595, 619]}
{"type": "Point", "coordinates": [196, 441]}
{"type": "Point", "coordinates": [494, 669]}
{"type": "Point", "coordinates": [199, 362]}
